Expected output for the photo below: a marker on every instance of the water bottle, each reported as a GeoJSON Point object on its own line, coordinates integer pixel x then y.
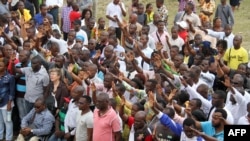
{"type": "Point", "coordinates": [8, 116]}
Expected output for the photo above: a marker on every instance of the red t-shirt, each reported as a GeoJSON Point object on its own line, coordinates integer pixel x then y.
{"type": "Point", "coordinates": [74, 15]}
{"type": "Point", "coordinates": [183, 34]}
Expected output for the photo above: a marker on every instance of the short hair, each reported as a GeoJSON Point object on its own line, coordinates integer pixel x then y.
{"type": "Point", "coordinates": [175, 47]}
{"type": "Point", "coordinates": [42, 5]}
{"type": "Point", "coordinates": [221, 94]}
{"type": "Point", "coordinates": [153, 82]}
{"type": "Point", "coordinates": [41, 99]}
{"type": "Point", "coordinates": [191, 5]}
{"type": "Point", "coordinates": [198, 102]}
{"type": "Point", "coordinates": [171, 112]}
{"type": "Point", "coordinates": [88, 98]}
{"type": "Point", "coordinates": [120, 87]}
{"type": "Point", "coordinates": [189, 122]}
{"type": "Point", "coordinates": [199, 115]}
{"type": "Point", "coordinates": [183, 96]}
{"type": "Point", "coordinates": [222, 111]}
{"type": "Point", "coordinates": [139, 105]}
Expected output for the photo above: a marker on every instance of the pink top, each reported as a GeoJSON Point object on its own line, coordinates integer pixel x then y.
{"type": "Point", "coordinates": [105, 125]}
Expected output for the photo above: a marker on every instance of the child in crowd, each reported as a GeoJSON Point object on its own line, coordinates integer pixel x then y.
{"type": "Point", "coordinates": [142, 17]}
{"type": "Point", "coordinates": [74, 14]}
{"type": "Point", "coordinates": [96, 32]}
{"type": "Point", "coordinates": [149, 12]}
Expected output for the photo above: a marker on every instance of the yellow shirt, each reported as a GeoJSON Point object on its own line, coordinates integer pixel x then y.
{"type": "Point", "coordinates": [26, 14]}
{"type": "Point", "coordinates": [235, 57]}
{"type": "Point", "coordinates": [149, 17]}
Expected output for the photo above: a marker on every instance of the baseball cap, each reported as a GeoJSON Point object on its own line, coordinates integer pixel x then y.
{"type": "Point", "coordinates": [183, 24]}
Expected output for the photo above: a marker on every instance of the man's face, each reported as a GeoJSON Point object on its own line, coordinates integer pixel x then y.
{"type": "Point", "coordinates": [71, 36]}
{"type": "Point", "coordinates": [193, 105]}
{"type": "Point", "coordinates": [108, 81]}
{"type": "Point", "coordinates": [189, 133]}
{"type": "Point", "coordinates": [139, 122]}
{"type": "Point", "coordinates": [22, 56]}
{"type": "Point", "coordinates": [204, 65]}
{"type": "Point", "coordinates": [82, 104]}
{"type": "Point", "coordinates": [59, 62]}
{"type": "Point", "coordinates": [216, 100]}
{"type": "Point", "coordinates": [177, 61]}
{"type": "Point", "coordinates": [44, 10]}
{"type": "Point", "coordinates": [101, 103]}
{"type": "Point", "coordinates": [35, 65]}
{"type": "Point", "coordinates": [237, 41]}
{"type": "Point", "coordinates": [39, 107]}
{"type": "Point", "coordinates": [108, 52]}
{"type": "Point", "coordinates": [216, 121]}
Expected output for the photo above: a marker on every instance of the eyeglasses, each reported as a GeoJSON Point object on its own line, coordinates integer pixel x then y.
{"type": "Point", "coordinates": [234, 83]}
{"type": "Point", "coordinates": [37, 107]}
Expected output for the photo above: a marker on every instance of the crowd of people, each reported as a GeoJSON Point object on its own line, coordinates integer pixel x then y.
{"type": "Point", "coordinates": [67, 76]}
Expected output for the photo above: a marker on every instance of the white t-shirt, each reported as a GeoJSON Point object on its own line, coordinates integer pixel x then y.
{"type": "Point", "coordinates": [113, 10]}
{"type": "Point", "coordinates": [83, 122]}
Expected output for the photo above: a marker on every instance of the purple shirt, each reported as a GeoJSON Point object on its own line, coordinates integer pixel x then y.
{"type": "Point", "coordinates": [65, 16]}
{"type": "Point", "coordinates": [182, 4]}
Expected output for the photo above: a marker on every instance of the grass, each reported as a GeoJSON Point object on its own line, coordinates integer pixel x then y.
{"type": "Point", "coordinates": [242, 17]}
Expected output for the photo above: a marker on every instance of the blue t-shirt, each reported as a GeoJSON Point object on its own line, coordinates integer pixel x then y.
{"type": "Point", "coordinates": [208, 129]}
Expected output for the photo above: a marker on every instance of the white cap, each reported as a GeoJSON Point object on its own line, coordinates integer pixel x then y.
{"type": "Point", "coordinates": [183, 24]}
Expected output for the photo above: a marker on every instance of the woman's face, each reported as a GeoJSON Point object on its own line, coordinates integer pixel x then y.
{"type": "Point", "coordinates": [54, 76]}
{"type": "Point", "coordinates": [217, 23]}
{"type": "Point", "coordinates": [87, 15]}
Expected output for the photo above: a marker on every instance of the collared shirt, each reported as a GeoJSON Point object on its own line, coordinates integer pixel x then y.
{"type": "Point", "coordinates": [39, 18]}
{"type": "Point", "coordinates": [70, 118]}
{"type": "Point", "coordinates": [43, 122]}
{"type": "Point", "coordinates": [222, 35]}
{"type": "Point", "coordinates": [35, 83]}
{"type": "Point", "coordinates": [65, 16]}
{"type": "Point", "coordinates": [105, 125]}
{"type": "Point", "coordinates": [162, 38]}
{"type": "Point", "coordinates": [7, 88]}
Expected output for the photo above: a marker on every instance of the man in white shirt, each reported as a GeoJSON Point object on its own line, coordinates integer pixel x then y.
{"type": "Point", "coordinates": [53, 8]}
{"type": "Point", "coordinates": [84, 120]}
{"type": "Point", "coordinates": [245, 120]}
{"type": "Point", "coordinates": [115, 9]}
{"type": "Point", "coordinates": [206, 76]}
{"type": "Point", "coordinates": [226, 35]}
{"type": "Point", "coordinates": [70, 118]}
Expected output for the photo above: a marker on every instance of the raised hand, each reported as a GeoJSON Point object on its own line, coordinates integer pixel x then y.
{"type": "Point", "coordinates": [159, 46]}
{"type": "Point", "coordinates": [97, 54]}
{"type": "Point", "coordinates": [227, 82]}
{"type": "Point", "coordinates": [93, 87]}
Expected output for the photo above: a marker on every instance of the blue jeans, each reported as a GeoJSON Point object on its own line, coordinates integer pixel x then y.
{"type": "Point", "coordinates": [7, 124]}
{"type": "Point", "coordinates": [22, 108]}
{"type": "Point", "coordinates": [54, 138]}
{"type": "Point", "coordinates": [28, 106]}
{"type": "Point", "coordinates": [54, 13]}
